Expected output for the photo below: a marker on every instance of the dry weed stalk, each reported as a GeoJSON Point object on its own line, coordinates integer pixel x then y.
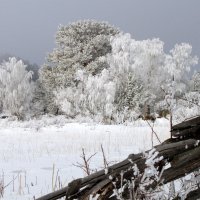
{"type": "Point", "coordinates": [153, 133]}
{"type": "Point", "coordinates": [104, 158]}
{"type": "Point", "coordinates": [3, 186]}
{"type": "Point", "coordinates": [57, 179]}
{"type": "Point", "coordinates": [86, 163]}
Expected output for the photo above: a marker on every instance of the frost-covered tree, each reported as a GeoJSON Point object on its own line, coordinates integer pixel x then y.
{"type": "Point", "coordinates": [80, 46]}
{"type": "Point", "coordinates": [30, 67]}
{"type": "Point", "coordinates": [139, 67]}
{"type": "Point", "coordinates": [100, 95]}
{"type": "Point", "coordinates": [47, 86]}
{"type": "Point", "coordinates": [187, 106]}
{"type": "Point", "coordinates": [164, 76]}
{"type": "Point", "coordinates": [39, 102]}
{"type": "Point", "coordinates": [15, 88]}
{"type": "Point", "coordinates": [93, 97]}
{"type": "Point", "coordinates": [177, 66]}
{"type": "Point", "coordinates": [195, 83]}
{"type": "Point", "coordinates": [110, 95]}
{"type": "Point", "coordinates": [97, 71]}
{"type": "Point", "coordinates": [130, 94]}
{"type": "Point", "coordinates": [145, 59]}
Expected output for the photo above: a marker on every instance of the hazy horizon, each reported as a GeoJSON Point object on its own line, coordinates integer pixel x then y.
{"type": "Point", "coordinates": [28, 27]}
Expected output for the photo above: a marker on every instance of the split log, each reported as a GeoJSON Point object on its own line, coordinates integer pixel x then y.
{"type": "Point", "coordinates": [193, 195]}
{"type": "Point", "coordinates": [183, 156]}
{"type": "Point", "coordinates": [187, 129]}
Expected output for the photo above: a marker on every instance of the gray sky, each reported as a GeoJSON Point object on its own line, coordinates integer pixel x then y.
{"type": "Point", "coordinates": [28, 27]}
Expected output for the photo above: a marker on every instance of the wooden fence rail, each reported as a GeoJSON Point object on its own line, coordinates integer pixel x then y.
{"type": "Point", "coordinates": [182, 152]}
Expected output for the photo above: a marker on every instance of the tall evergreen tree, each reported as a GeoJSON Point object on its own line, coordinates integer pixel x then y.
{"type": "Point", "coordinates": [80, 46]}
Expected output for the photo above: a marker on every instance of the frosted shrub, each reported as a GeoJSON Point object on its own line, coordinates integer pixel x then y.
{"type": "Point", "coordinates": [94, 96]}
{"type": "Point", "coordinates": [69, 101]}
{"type": "Point", "coordinates": [189, 183]}
{"type": "Point", "coordinates": [139, 186]}
{"type": "Point", "coordinates": [15, 88]}
{"type": "Point", "coordinates": [196, 81]}
{"type": "Point", "coordinates": [100, 93]}
{"type": "Point", "coordinates": [187, 106]}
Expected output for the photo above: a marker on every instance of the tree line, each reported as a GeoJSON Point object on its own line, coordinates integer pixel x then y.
{"type": "Point", "coordinates": [97, 71]}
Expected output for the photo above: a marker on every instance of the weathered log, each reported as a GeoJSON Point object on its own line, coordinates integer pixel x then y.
{"type": "Point", "coordinates": [193, 195]}
{"type": "Point", "coordinates": [187, 129]}
{"type": "Point", "coordinates": [99, 182]}
{"type": "Point", "coordinates": [188, 123]}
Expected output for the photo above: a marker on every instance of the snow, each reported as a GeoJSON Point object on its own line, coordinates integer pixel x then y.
{"type": "Point", "coordinates": [37, 156]}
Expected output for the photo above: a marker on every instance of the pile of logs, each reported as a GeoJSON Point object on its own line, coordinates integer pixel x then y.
{"type": "Point", "coordinates": [182, 151]}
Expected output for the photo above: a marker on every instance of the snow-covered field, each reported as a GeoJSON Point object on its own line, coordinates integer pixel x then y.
{"type": "Point", "coordinates": [37, 157]}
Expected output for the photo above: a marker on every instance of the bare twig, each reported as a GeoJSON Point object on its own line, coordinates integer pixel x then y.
{"type": "Point", "coordinates": [86, 165]}
{"type": "Point", "coordinates": [53, 177]}
{"type": "Point", "coordinates": [55, 185]}
{"type": "Point", "coordinates": [104, 158]}
{"type": "Point", "coordinates": [3, 186]}
{"type": "Point", "coordinates": [152, 129]}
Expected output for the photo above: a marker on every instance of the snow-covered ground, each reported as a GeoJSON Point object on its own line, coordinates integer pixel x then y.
{"type": "Point", "coordinates": [37, 157]}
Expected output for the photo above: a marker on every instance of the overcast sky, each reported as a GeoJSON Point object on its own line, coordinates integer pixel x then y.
{"type": "Point", "coordinates": [28, 27]}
